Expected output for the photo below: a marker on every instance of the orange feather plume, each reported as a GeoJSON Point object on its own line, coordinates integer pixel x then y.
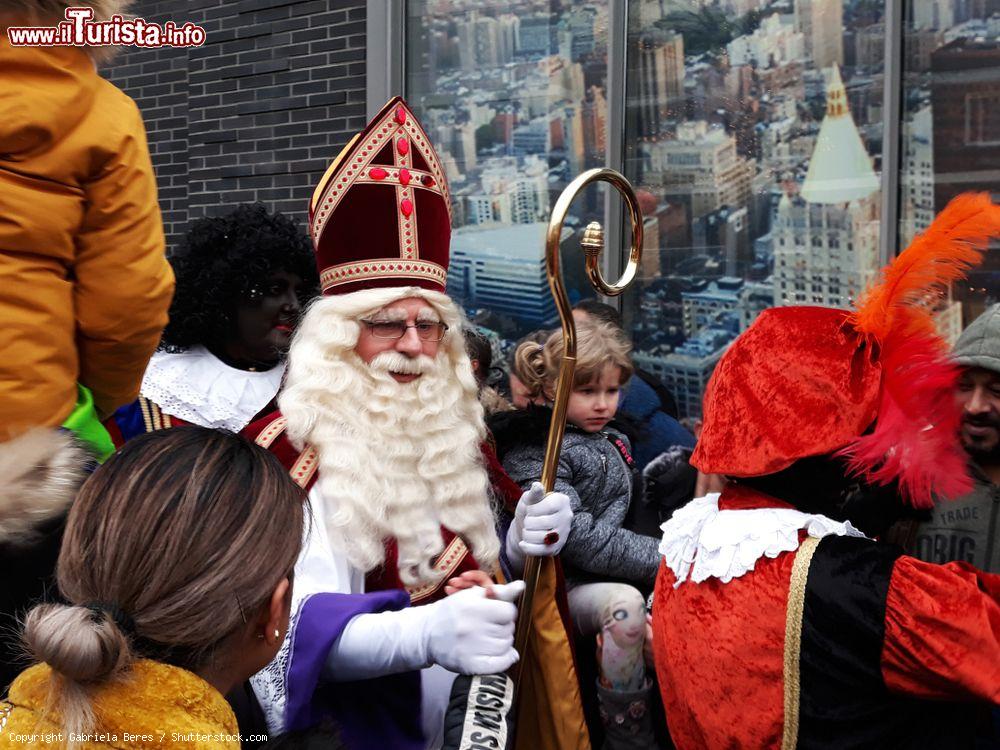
{"type": "Point", "coordinates": [952, 244]}
{"type": "Point", "coordinates": [915, 441]}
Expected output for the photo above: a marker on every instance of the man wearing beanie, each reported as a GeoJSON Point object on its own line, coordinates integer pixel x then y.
{"type": "Point", "coordinates": [968, 528]}
{"type": "Point", "coordinates": [777, 623]}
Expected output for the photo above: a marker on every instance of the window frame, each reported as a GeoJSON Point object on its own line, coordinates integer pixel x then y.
{"type": "Point", "coordinates": [386, 77]}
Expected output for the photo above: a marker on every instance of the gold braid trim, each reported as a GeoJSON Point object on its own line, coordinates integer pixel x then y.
{"type": "Point", "coordinates": [446, 564]}
{"type": "Point", "coordinates": [147, 417]}
{"type": "Point", "coordinates": [793, 640]}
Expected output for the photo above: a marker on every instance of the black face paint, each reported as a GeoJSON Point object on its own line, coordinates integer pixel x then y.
{"type": "Point", "coordinates": [264, 321]}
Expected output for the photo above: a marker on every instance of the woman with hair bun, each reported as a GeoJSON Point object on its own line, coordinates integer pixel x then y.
{"type": "Point", "coordinates": [176, 572]}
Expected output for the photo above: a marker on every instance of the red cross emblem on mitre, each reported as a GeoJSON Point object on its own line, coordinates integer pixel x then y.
{"type": "Point", "coordinates": [381, 215]}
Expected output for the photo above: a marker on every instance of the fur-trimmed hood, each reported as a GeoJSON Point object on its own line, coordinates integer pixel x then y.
{"type": "Point", "coordinates": [531, 426]}
{"type": "Point", "coordinates": [40, 472]}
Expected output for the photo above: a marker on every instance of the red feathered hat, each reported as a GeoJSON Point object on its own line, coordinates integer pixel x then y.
{"type": "Point", "coordinates": [381, 215]}
{"type": "Point", "coordinates": [874, 384]}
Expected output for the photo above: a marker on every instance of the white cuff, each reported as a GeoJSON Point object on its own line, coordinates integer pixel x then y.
{"type": "Point", "coordinates": [373, 645]}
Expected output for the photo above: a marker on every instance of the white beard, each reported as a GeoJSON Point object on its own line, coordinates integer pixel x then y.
{"type": "Point", "coordinates": [396, 460]}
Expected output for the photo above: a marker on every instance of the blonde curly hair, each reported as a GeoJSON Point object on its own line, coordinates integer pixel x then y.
{"type": "Point", "coordinates": [597, 346]}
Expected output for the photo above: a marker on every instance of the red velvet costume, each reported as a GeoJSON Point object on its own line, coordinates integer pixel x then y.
{"type": "Point", "coordinates": [892, 649]}
{"type": "Point", "coordinates": [777, 629]}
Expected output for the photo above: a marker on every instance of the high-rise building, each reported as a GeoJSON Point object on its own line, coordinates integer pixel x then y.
{"type": "Point", "coordinates": [529, 199]}
{"type": "Point", "coordinates": [575, 32]}
{"type": "Point", "coordinates": [687, 369]}
{"type": "Point", "coordinates": [503, 270]}
{"type": "Point", "coordinates": [535, 37]}
{"type": "Point", "coordinates": [965, 101]}
{"type": "Point", "coordinates": [508, 33]}
{"type": "Point", "coordinates": [822, 24]}
{"type": "Point", "coordinates": [481, 43]}
{"type": "Point", "coordinates": [566, 133]}
{"type": "Point", "coordinates": [826, 239]}
{"type": "Point", "coordinates": [658, 75]}
{"type": "Point", "coordinates": [488, 208]}
{"type": "Point", "coordinates": [919, 46]}
{"type": "Point", "coordinates": [532, 137]}
{"type": "Point", "coordinates": [704, 308]}
{"type": "Point", "coordinates": [700, 167]}
{"type": "Point", "coordinates": [594, 114]}
{"type": "Point", "coordinates": [933, 14]}
{"type": "Point", "coordinates": [917, 176]}
{"type": "Point", "coordinates": [869, 45]}
{"type": "Point", "coordinates": [566, 80]}
{"type": "Point", "coordinates": [775, 42]}
{"type": "Point", "coordinates": [464, 145]}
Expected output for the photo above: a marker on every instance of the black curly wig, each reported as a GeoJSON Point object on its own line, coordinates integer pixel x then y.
{"type": "Point", "coordinates": [220, 260]}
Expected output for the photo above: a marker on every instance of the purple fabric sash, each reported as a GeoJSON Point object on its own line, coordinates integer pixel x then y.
{"type": "Point", "coordinates": [378, 713]}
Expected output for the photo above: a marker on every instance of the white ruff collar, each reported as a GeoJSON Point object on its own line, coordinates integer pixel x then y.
{"type": "Point", "coordinates": [196, 386]}
{"type": "Point", "coordinates": [701, 542]}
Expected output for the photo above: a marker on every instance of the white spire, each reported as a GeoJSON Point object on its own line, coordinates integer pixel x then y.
{"type": "Point", "coordinates": [840, 169]}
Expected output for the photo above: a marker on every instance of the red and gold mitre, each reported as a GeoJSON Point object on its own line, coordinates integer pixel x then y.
{"type": "Point", "coordinates": [381, 215]}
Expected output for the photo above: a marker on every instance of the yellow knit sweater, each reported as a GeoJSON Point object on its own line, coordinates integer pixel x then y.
{"type": "Point", "coordinates": [154, 706]}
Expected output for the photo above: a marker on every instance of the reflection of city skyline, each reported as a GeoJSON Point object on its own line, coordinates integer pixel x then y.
{"type": "Point", "coordinates": [742, 118]}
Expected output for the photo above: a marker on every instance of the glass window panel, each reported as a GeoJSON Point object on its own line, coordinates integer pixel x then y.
{"type": "Point", "coordinates": [513, 96]}
{"type": "Point", "coordinates": [951, 127]}
{"type": "Point", "coordinates": [753, 133]}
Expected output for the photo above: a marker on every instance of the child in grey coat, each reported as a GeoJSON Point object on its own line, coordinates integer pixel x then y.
{"type": "Point", "coordinates": [602, 559]}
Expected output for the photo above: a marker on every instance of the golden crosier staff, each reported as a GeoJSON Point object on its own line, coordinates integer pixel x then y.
{"type": "Point", "coordinates": [593, 243]}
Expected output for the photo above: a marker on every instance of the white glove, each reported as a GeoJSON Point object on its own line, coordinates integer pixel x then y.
{"type": "Point", "coordinates": [537, 516]}
{"type": "Point", "coordinates": [470, 634]}
{"type": "Point", "coordinates": [465, 633]}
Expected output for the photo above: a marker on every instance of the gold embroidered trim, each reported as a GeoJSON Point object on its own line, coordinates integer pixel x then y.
{"type": "Point", "coordinates": [363, 154]}
{"type": "Point", "coordinates": [270, 433]}
{"type": "Point", "coordinates": [447, 563]}
{"type": "Point", "coordinates": [793, 640]}
{"type": "Point", "coordinates": [147, 420]}
{"type": "Point", "coordinates": [406, 226]}
{"type": "Point", "coordinates": [161, 421]}
{"type": "Point", "coordinates": [152, 417]}
{"type": "Point", "coordinates": [305, 467]}
{"type": "Point", "coordinates": [392, 178]}
{"type": "Point", "coordinates": [381, 269]}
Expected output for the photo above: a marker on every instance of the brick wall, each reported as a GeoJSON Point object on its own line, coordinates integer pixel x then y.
{"type": "Point", "coordinates": [258, 112]}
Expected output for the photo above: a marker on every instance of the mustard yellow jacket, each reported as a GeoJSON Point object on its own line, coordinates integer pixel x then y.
{"type": "Point", "coordinates": [84, 283]}
{"type": "Point", "coordinates": [154, 706]}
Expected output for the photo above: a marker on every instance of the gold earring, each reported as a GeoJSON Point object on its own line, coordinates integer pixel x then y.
{"type": "Point", "coordinates": [277, 634]}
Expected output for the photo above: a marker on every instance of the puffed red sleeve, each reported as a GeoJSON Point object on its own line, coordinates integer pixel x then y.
{"type": "Point", "coordinates": [942, 632]}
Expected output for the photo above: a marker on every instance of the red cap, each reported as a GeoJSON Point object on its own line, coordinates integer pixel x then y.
{"type": "Point", "coordinates": [381, 215]}
{"type": "Point", "coordinates": [808, 381]}
{"type": "Point", "coordinates": [797, 383]}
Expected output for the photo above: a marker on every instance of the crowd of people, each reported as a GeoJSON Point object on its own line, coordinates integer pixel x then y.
{"type": "Point", "coordinates": [266, 489]}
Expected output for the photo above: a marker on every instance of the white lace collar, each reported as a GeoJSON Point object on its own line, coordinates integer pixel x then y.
{"type": "Point", "coordinates": [701, 542]}
{"type": "Point", "coordinates": [196, 386]}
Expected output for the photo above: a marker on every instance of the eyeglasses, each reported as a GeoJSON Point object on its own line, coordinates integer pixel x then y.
{"type": "Point", "coordinates": [396, 329]}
